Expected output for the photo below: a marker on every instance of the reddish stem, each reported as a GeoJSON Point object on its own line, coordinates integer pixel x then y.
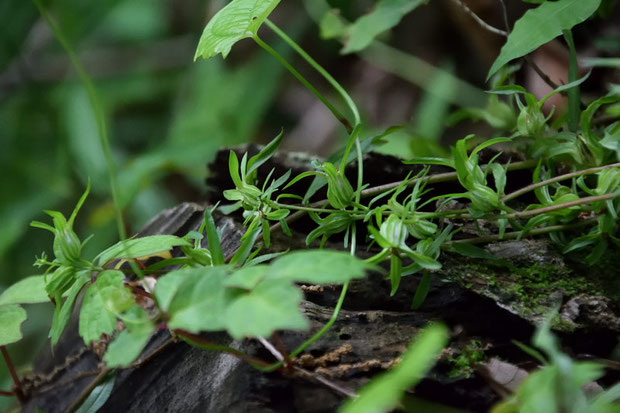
{"type": "Point", "coordinates": [202, 342]}
{"type": "Point", "coordinates": [6, 393]}
{"type": "Point", "coordinates": [9, 364]}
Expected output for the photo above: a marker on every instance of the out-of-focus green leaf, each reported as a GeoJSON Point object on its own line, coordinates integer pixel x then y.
{"type": "Point", "coordinates": [238, 20]}
{"type": "Point", "coordinates": [540, 25]}
{"type": "Point", "coordinates": [27, 291]}
{"type": "Point", "coordinates": [386, 15]}
{"type": "Point", "coordinates": [11, 318]}
{"type": "Point", "coordinates": [383, 393]}
{"type": "Point", "coordinates": [318, 267]}
{"type": "Point", "coordinates": [139, 247]}
{"type": "Point", "coordinates": [270, 306]}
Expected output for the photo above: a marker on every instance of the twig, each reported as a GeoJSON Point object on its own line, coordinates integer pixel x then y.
{"type": "Point", "coordinates": [478, 20]}
{"type": "Point", "coordinates": [517, 234]}
{"type": "Point", "coordinates": [322, 380]}
{"type": "Point", "coordinates": [274, 352]}
{"type": "Point", "coordinates": [558, 178]}
{"type": "Point", "coordinates": [9, 364]}
{"type": "Point", "coordinates": [7, 393]}
{"type": "Point", "coordinates": [505, 16]}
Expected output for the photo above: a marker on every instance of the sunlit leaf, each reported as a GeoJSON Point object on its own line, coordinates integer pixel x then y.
{"type": "Point", "coordinates": [541, 25]}
{"type": "Point", "coordinates": [240, 19]}
{"type": "Point", "coordinates": [27, 291]}
{"type": "Point", "coordinates": [11, 318]}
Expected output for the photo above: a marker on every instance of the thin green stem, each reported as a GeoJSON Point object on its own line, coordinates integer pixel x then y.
{"type": "Point", "coordinates": [573, 93]}
{"type": "Point", "coordinates": [558, 178]}
{"type": "Point", "coordinates": [341, 118]}
{"type": "Point", "coordinates": [13, 372]}
{"type": "Point", "coordinates": [518, 234]}
{"type": "Point", "coordinates": [318, 68]}
{"type": "Point", "coordinates": [98, 112]}
{"type": "Point", "coordinates": [327, 326]}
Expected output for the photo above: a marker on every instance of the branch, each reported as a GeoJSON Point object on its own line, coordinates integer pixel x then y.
{"type": "Point", "coordinates": [478, 20]}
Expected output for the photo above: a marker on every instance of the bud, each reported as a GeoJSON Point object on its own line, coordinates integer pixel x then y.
{"type": "Point", "coordinates": [67, 246]}
{"type": "Point", "coordinates": [60, 281]}
{"type": "Point", "coordinates": [421, 228]}
{"type": "Point", "coordinates": [339, 190]}
{"type": "Point", "coordinates": [394, 231]}
{"type": "Point", "coordinates": [531, 122]}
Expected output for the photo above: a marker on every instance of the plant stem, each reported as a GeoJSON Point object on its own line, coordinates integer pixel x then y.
{"type": "Point", "coordinates": [7, 393]}
{"type": "Point", "coordinates": [478, 20]}
{"type": "Point", "coordinates": [327, 325]}
{"type": "Point", "coordinates": [341, 118]}
{"type": "Point", "coordinates": [318, 68]}
{"type": "Point", "coordinates": [197, 341]}
{"type": "Point", "coordinates": [558, 178]}
{"type": "Point", "coordinates": [13, 372]}
{"type": "Point", "coordinates": [518, 234]}
{"type": "Point", "coordinates": [98, 113]}
{"type": "Point", "coordinates": [573, 93]}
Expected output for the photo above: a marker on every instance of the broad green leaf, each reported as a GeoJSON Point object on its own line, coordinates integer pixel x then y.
{"type": "Point", "coordinates": [246, 277]}
{"type": "Point", "coordinates": [98, 396]}
{"type": "Point", "coordinates": [11, 318]}
{"type": "Point", "coordinates": [383, 393]}
{"type": "Point", "coordinates": [103, 302]}
{"type": "Point", "coordinates": [128, 345]}
{"type": "Point", "coordinates": [318, 267]}
{"type": "Point", "coordinates": [63, 313]}
{"type": "Point", "coordinates": [140, 247]}
{"type": "Point", "coordinates": [195, 298]}
{"type": "Point", "coordinates": [271, 305]}
{"type": "Point", "coordinates": [541, 25]}
{"type": "Point", "coordinates": [30, 290]}
{"type": "Point", "coordinates": [240, 19]}
{"type": "Point", "coordinates": [386, 15]}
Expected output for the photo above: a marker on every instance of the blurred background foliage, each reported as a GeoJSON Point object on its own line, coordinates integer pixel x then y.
{"type": "Point", "coordinates": [167, 115]}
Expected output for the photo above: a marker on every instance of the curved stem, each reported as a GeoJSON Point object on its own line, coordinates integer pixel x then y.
{"type": "Point", "coordinates": [558, 178]}
{"type": "Point", "coordinates": [341, 118]}
{"type": "Point", "coordinates": [13, 372]}
{"type": "Point", "coordinates": [318, 68]}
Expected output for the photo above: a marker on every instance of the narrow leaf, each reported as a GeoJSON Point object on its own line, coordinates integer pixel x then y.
{"type": "Point", "coordinates": [215, 247]}
{"type": "Point", "coordinates": [97, 398]}
{"type": "Point", "coordinates": [140, 247]}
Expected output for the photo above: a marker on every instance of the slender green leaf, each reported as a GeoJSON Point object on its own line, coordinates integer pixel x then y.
{"type": "Point", "coordinates": [386, 15]}
{"type": "Point", "coordinates": [140, 247]}
{"type": "Point", "coordinates": [541, 25]}
{"type": "Point", "coordinates": [263, 156]}
{"type": "Point", "coordinates": [240, 19]}
{"type": "Point", "coordinates": [63, 313]}
{"type": "Point", "coordinates": [11, 318]}
{"type": "Point", "coordinates": [97, 398]}
{"type": "Point", "coordinates": [30, 290]}
{"type": "Point", "coordinates": [215, 247]}
{"type": "Point", "coordinates": [422, 291]}
{"type": "Point", "coordinates": [383, 393]}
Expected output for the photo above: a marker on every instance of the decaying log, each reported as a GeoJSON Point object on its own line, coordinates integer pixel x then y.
{"type": "Point", "coordinates": [478, 300]}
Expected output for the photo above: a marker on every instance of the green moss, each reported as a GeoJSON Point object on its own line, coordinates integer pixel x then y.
{"type": "Point", "coordinates": [464, 363]}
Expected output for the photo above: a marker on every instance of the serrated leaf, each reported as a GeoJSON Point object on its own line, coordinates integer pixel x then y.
{"type": "Point", "coordinates": [30, 290]}
{"type": "Point", "coordinates": [386, 15]}
{"type": "Point", "coordinates": [63, 313]}
{"type": "Point", "coordinates": [140, 247]}
{"type": "Point", "coordinates": [318, 267]}
{"type": "Point", "coordinates": [98, 396]}
{"type": "Point", "coordinates": [103, 302]}
{"type": "Point", "coordinates": [11, 318]}
{"type": "Point", "coordinates": [271, 305]}
{"type": "Point", "coordinates": [195, 298]}
{"type": "Point", "coordinates": [384, 392]}
{"type": "Point", "coordinates": [128, 345]}
{"type": "Point", "coordinates": [240, 19]}
{"type": "Point", "coordinates": [541, 25]}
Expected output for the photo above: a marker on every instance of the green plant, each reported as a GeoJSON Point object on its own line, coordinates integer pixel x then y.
{"type": "Point", "coordinates": [252, 295]}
